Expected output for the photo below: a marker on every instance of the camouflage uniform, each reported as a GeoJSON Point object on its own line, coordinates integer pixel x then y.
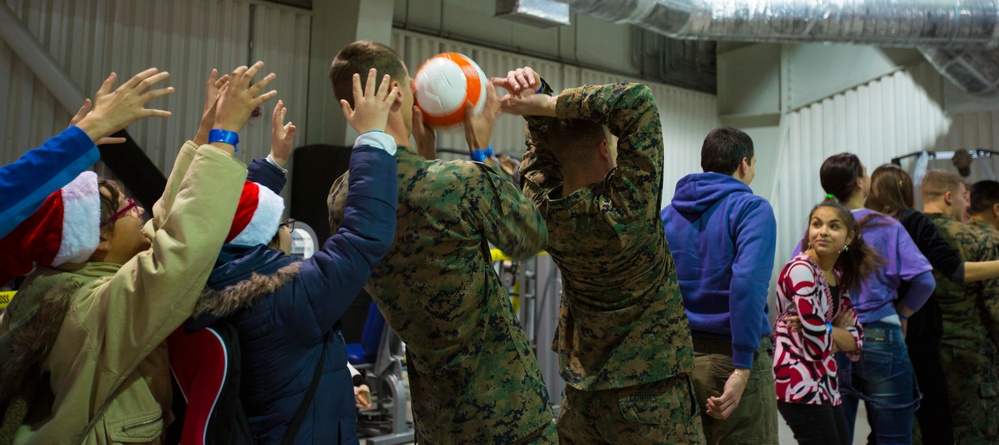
{"type": "Point", "coordinates": [474, 377]}
{"type": "Point", "coordinates": [969, 353]}
{"type": "Point", "coordinates": [623, 340]}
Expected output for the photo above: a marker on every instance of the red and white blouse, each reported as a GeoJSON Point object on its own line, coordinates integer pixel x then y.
{"type": "Point", "coordinates": [804, 365]}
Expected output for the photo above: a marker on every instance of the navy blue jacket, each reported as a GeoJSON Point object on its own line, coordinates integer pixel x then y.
{"type": "Point", "coordinates": [282, 334]}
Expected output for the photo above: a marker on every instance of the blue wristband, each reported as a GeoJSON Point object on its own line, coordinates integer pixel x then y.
{"type": "Point", "coordinates": [224, 136]}
{"type": "Point", "coordinates": [903, 317]}
{"type": "Point", "coordinates": [541, 88]}
{"type": "Point", "coordinates": [829, 325]}
{"type": "Point", "coordinates": [480, 154]}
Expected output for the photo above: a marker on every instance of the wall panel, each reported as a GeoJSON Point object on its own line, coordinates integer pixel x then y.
{"type": "Point", "coordinates": [882, 119]}
{"type": "Point", "coordinates": [188, 38]}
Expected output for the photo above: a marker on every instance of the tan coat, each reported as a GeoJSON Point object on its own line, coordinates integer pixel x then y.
{"type": "Point", "coordinates": [111, 343]}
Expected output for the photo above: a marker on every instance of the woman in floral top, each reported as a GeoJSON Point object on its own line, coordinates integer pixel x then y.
{"type": "Point", "coordinates": [816, 319]}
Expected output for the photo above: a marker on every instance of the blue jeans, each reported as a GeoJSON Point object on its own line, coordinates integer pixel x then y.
{"type": "Point", "coordinates": [884, 380]}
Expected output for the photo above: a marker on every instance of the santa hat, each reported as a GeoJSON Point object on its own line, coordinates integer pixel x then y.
{"type": "Point", "coordinates": [257, 216]}
{"type": "Point", "coordinates": [64, 229]}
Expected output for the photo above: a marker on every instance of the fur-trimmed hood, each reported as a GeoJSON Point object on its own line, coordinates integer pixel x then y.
{"type": "Point", "coordinates": [242, 276]}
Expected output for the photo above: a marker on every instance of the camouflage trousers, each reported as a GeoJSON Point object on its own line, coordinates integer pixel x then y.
{"type": "Point", "coordinates": [663, 412]}
{"type": "Point", "coordinates": [973, 386]}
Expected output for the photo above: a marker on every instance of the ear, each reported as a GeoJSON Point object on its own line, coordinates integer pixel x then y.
{"type": "Point", "coordinates": [948, 198]}
{"type": "Point", "coordinates": [744, 167]}
{"type": "Point", "coordinates": [995, 210]}
{"type": "Point", "coordinates": [604, 150]}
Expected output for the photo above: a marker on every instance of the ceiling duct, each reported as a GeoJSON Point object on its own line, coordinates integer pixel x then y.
{"type": "Point", "coordinates": [537, 13]}
{"type": "Point", "coordinates": [959, 37]}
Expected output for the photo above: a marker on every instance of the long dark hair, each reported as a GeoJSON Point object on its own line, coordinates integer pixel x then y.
{"type": "Point", "coordinates": [859, 260]}
{"type": "Point", "coordinates": [891, 190]}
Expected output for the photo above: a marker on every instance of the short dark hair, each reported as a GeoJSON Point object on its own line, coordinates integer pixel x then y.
{"type": "Point", "coordinates": [937, 182]}
{"type": "Point", "coordinates": [359, 57]}
{"type": "Point", "coordinates": [724, 149]}
{"type": "Point", "coordinates": [572, 140]}
{"type": "Point", "coordinates": [984, 194]}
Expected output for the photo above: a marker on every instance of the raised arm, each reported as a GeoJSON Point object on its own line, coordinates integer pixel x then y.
{"type": "Point", "coordinates": [336, 273]}
{"type": "Point", "coordinates": [539, 168]}
{"type": "Point", "coordinates": [43, 170]}
{"type": "Point", "coordinates": [154, 292]}
{"type": "Point", "coordinates": [508, 218]}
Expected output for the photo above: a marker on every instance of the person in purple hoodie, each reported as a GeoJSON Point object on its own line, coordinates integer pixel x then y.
{"type": "Point", "coordinates": [723, 238]}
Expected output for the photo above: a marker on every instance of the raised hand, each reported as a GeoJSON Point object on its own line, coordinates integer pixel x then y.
{"type": "Point", "coordinates": [371, 106]}
{"type": "Point", "coordinates": [523, 99]}
{"type": "Point", "coordinates": [424, 135]}
{"type": "Point", "coordinates": [282, 135]}
{"type": "Point", "coordinates": [115, 110]}
{"type": "Point", "coordinates": [212, 89]}
{"type": "Point", "coordinates": [81, 113]}
{"type": "Point", "coordinates": [479, 127]}
{"type": "Point", "coordinates": [239, 98]}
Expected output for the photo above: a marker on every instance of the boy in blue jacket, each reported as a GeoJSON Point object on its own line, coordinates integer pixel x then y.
{"type": "Point", "coordinates": [723, 238]}
{"type": "Point", "coordinates": [285, 310]}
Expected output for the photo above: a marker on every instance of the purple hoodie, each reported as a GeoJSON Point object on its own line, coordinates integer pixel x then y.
{"type": "Point", "coordinates": [723, 238]}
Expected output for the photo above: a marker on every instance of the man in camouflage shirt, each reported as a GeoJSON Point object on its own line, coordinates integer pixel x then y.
{"type": "Point", "coordinates": [474, 377]}
{"type": "Point", "coordinates": [969, 353]}
{"type": "Point", "coordinates": [623, 340]}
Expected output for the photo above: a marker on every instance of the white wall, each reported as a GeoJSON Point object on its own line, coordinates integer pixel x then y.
{"type": "Point", "coordinates": [188, 38]}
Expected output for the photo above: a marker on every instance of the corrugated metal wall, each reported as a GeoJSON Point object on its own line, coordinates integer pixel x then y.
{"type": "Point", "coordinates": [972, 131]}
{"type": "Point", "coordinates": [687, 115]}
{"type": "Point", "coordinates": [90, 38]}
{"type": "Point", "coordinates": [888, 117]}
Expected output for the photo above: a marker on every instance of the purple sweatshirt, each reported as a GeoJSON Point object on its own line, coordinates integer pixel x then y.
{"type": "Point", "coordinates": [722, 238]}
{"type": "Point", "coordinates": [875, 297]}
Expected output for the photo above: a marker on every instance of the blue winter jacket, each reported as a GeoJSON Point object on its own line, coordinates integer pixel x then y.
{"type": "Point", "coordinates": [282, 334]}
{"type": "Point", "coordinates": [723, 238]}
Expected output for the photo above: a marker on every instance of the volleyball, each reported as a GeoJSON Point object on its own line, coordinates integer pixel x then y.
{"type": "Point", "coordinates": [444, 84]}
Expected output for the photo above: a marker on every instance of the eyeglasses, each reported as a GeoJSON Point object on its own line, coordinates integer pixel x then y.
{"type": "Point", "coordinates": [131, 205]}
{"type": "Point", "coordinates": [289, 223]}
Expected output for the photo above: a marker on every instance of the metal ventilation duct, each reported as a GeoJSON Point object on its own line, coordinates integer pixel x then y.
{"type": "Point", "coordinates": [958, 37]}
{"type": "Point", "coordinates": [537, 13]}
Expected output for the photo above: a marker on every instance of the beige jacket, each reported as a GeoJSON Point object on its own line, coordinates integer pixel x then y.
{"type": "Point", "coordinates": [111, 343]}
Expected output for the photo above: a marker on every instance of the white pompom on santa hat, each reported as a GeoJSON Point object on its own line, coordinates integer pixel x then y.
{"type": "Point", "coordinates": [64, 229]}
{"type": "Point", "coordinates": [257, 216]}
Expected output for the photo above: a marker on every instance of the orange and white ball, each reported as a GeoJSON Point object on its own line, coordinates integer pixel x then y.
{"type": "Point", "coordinates": [444, 84]}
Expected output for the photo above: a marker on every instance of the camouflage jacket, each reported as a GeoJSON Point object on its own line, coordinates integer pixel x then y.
{"type": "Point", "coordinates": [969, 311]}
{"type": "Point", "coordinates": [473, 376]}
{"type": "Point", "coordinates": [621, 320]}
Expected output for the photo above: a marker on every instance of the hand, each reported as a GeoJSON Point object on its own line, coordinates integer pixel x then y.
{"type": "Point", "coordinates": [282, 135]}
{"type": "Point", "coordinates": [721, 407]}
{"type": "Point", "coordinates": [424, 135]}
{"type": "Point", "coordinates": [81, 113]}
{"type": "Point", "coordinates": [371, 106]}
{"type": "Point", "coordinates": [238, 98]}
{"type": "Point", "coordinates": [362, 397]}
{"type": "Point", "coordinates": [479, 127]}
{"type": "Point", "coordinates": [845, 319]}
{"type": "Point", "coordinates": [523, 98]}
{"type": "Point", "coordinates": [212, 89]}
{"type": "Point", "coordinates": [115, 110]}
{"type": "Point", "coordinates": [793, 323]}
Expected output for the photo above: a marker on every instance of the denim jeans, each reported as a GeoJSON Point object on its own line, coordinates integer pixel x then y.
{"type": "Point", "coordinates": [884, 380]}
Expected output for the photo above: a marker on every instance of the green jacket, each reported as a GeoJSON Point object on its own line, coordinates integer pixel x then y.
{"type": "Point", "coordinates": [473, 375]}
{"type": "Point", "coordinates": [621, 320]}
{"type": "Point", "coordinates": [110, 344]}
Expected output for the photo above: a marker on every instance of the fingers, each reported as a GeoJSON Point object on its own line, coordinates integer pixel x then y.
{"type": "Point", "coordinates": [532, 77]}
{"type": "Point", "coordinates": [106, 86]}
{"type": "Point", "coordinates": [157, 93]}
{"type": "Point", "coordinates": [369, 87]}
{"type": "Point", "coordinates": [136, 79]}
{"type": "Point", "coordinates": [277, 117]}
{"type": "Point", "coordinates": [213, 77]}
{"type": "Point", "coordinates": [252, 71]}
{"type": "Point", "coordinates": [265, 97]}
{"type": "Point", "coordinates": [396, 97]}
{"type": "Point", "coordinates": [84, 109]}
{"type": "Point", "coordinates": [355, 81]}
{"type": "Point", "coordinates": [345, 107]}
{"type": "Point", "coordinates": [111, 141]}
{"type": "Point", "coordinates": [255, 89]}
{"type": "Point", "coordinates": [221, 81]}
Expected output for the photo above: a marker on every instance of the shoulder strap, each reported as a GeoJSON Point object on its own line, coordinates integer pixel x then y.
{"type": "Point", "coordinates": [296, 422]}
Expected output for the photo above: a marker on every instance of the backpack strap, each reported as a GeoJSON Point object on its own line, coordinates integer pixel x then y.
{"type": "Point", "coordinates": [296, 422]}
